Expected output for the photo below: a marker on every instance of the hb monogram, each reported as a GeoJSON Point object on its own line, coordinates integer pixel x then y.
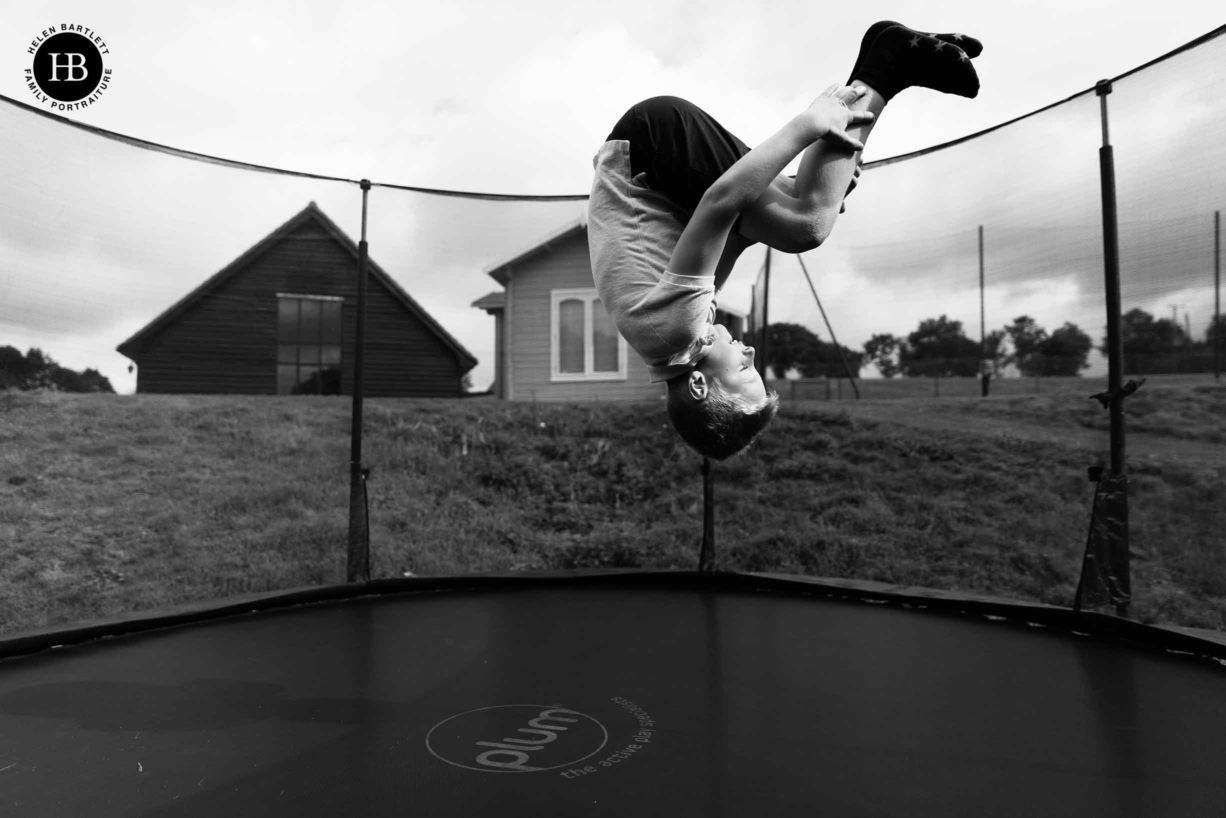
{"type": "Point", "coordinates": [73, 63]}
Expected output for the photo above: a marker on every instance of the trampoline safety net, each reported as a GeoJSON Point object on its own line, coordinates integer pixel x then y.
{"type": "Point", "coordinates": [219, 301]}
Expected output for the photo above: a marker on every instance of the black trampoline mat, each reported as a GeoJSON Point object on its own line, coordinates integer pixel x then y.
{"type": "Point", "coordinates": [609, 701]}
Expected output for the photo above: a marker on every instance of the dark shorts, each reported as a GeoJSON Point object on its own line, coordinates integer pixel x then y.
{"type": "Point", "coordinates": [679, 146]}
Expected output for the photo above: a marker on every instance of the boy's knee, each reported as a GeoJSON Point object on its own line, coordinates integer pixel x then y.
{"type": "Point", "coordinates": [820, 228]}
{"type": "Point", "coordinates": [804, 236]}
{"type": "Point", "coordinates": [811, 228]}
{"type": "Point", "coordinates": [797, 230]}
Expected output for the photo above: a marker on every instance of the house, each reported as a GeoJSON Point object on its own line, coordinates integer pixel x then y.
{"type": "Point", "coordinates": [282, 319]}
{"type": "Point", "coordinates": [553, 340]}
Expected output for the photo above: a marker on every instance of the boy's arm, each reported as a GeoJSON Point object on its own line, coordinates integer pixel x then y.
{"type": "Point", "coordinates": [702, 241]}
{"type": "Point", "coordinates": [733, 247]}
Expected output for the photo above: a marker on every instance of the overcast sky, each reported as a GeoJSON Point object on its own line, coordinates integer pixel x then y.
{"type": "Point", "coordinates": [503, 97]}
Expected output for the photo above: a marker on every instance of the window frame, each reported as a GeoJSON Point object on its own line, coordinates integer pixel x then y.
{"type": "Point", "coordinates": [590, 298]}
{"type": "Point", "coordinates": [298, 365]}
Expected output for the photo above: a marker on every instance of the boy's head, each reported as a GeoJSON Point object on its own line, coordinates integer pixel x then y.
{"type": "Point", "coordinates": [721, 405]}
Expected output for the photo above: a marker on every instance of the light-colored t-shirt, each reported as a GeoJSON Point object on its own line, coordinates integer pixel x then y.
{"type": "Point", "coordinates": [631, 232]}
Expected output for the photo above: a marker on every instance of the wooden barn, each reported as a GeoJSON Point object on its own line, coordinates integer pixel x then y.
{"type": "Point", "coordinates": [553, 339]}
{"type": "Point", "coordinates": [281, 319]}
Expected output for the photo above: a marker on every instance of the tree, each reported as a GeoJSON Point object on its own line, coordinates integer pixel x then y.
{"type": "Point", "coordinates": [792, 346]}
{"type": "Point", "coordinates": [883, 349]}
{"type": "Point", "coordinates": [996, 357]}
{"type": "Point", "coordinates": [96, 381]}
{"type": "Point", "coordinates": [789, 346]}
{"type": "Point", "coordinates": [826, 362]}
{"type": "Point", "coordinates": [1215, 344]}
{"type": "Point", "coordinates": [1065, 351]}
{"type": "Point", "coordinates": [12, 368]}
{"type": "Point", "coordinates": [34, 370]}
{"type": "Point", "coordinates": [37, 370]}
{"type": "Point", "coordinates": [1027, 338]}
{"type": "Point", "coordinates": [939, 348]}
{"type": "Point", "coordinates": [1035, 353]}
{"type": "Point", "coordinates": [1216, 330]}
{"type": "Point", "coordinates": [1215, 333]}
{"type": "Point", "coordinates": [1148, 342]}
{"type": "Point", "coordinates": [1145, 335]}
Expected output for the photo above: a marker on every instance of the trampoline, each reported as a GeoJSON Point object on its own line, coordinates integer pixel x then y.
{"type": "Point", "coordinates": [613, 693]}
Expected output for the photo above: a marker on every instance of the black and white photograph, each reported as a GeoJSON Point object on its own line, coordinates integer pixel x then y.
{"type": "Point", "coordinates": [585, 409]}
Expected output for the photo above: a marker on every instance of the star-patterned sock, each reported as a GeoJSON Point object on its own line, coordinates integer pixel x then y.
{"type": "Point", "coordinates": [900, 57]}
{"type": "Point", "coordinates": [970, 45]}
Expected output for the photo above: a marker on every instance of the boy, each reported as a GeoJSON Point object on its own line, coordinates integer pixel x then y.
{"type": "Point", "coordinates": [676, 199]}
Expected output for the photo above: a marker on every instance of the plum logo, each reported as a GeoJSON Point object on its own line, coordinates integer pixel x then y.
{"type": "Point", "coordinates": [516, 738]}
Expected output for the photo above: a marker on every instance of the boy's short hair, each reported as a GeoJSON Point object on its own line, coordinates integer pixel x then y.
{"type": "Point", "coordinates": [721, 425]}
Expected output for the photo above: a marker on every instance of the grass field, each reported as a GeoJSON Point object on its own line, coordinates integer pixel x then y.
{"type": "Point", "coordinates": [116, 504]}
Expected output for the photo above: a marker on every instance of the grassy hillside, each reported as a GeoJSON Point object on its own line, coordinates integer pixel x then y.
{"type": "Point", "coordinates": [113, 504]}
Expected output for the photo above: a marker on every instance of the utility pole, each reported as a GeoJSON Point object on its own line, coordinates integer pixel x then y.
{"type": "Point", "coordinates": [764, 343]}
{"type": "Point", "coordinates": [984, 374]}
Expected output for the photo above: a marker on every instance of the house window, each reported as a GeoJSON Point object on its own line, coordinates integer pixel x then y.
{"type": "Point", "coordinates": [585, 344]}
{"type": "Point", "coordinates": [308, 345]}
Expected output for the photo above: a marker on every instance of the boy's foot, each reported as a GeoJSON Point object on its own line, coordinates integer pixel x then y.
{"type": "Point", "coordinates": [901, 57]}
{"type": "Point", "coordinates": [970, 45]}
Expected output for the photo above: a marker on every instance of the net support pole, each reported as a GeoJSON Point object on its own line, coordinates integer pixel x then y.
{"type": "Point", "coordinates": [766, 317]}
{"type": "Point", "coordinates": [984, 374]}
{"type": "Point", "coordinates": [706, 557]}
{"type": "Point", "coordinates": [1117, 514]}
{"type": "Point", "coordinates": [359, 538]}
{"type": "Point", "coordinates": [756, 312]}
{"type": "Point", "coordinates": [1217, 294]}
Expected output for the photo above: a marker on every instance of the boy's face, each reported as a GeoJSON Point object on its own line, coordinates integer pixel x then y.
{"type": "Point", "coordinates": [731, 363]}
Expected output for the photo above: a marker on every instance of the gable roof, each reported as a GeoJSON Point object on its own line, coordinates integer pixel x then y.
{"type": "Point", "coordinates": [501, 272]}
{"type": "Point", "coordinates": [310, 213]}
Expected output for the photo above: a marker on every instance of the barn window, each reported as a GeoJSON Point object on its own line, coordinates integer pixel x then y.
{"type": "Point", "coordinates": [584, 343]}
{"type": "Point", "coordinates": [308, 345]}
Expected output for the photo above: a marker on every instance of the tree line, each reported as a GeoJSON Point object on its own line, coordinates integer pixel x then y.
{"type": "Point", "coordinates": [37, 370]}
{"type": "Point", "coordinates": [939, 347]}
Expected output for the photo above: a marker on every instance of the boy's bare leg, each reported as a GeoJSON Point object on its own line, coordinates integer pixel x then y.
{"type": "Point", "coordinates": [826, 171]}
{"type": "Point", "coordinates": [801, 219]}
{"type": "Point", "coordinates": [892, 58]}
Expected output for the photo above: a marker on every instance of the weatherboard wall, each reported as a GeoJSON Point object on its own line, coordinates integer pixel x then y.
{"type": "Point", "coordinates": [226, 342]}
{"type": "Point", "coordinates": [528, 327]}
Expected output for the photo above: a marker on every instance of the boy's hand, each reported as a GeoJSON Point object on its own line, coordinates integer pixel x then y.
{"type": "Point", "coordinates": [830, 116]}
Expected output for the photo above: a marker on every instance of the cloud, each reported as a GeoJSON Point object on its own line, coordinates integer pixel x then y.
{"type": "Point", "coordinates": [516, 97]}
